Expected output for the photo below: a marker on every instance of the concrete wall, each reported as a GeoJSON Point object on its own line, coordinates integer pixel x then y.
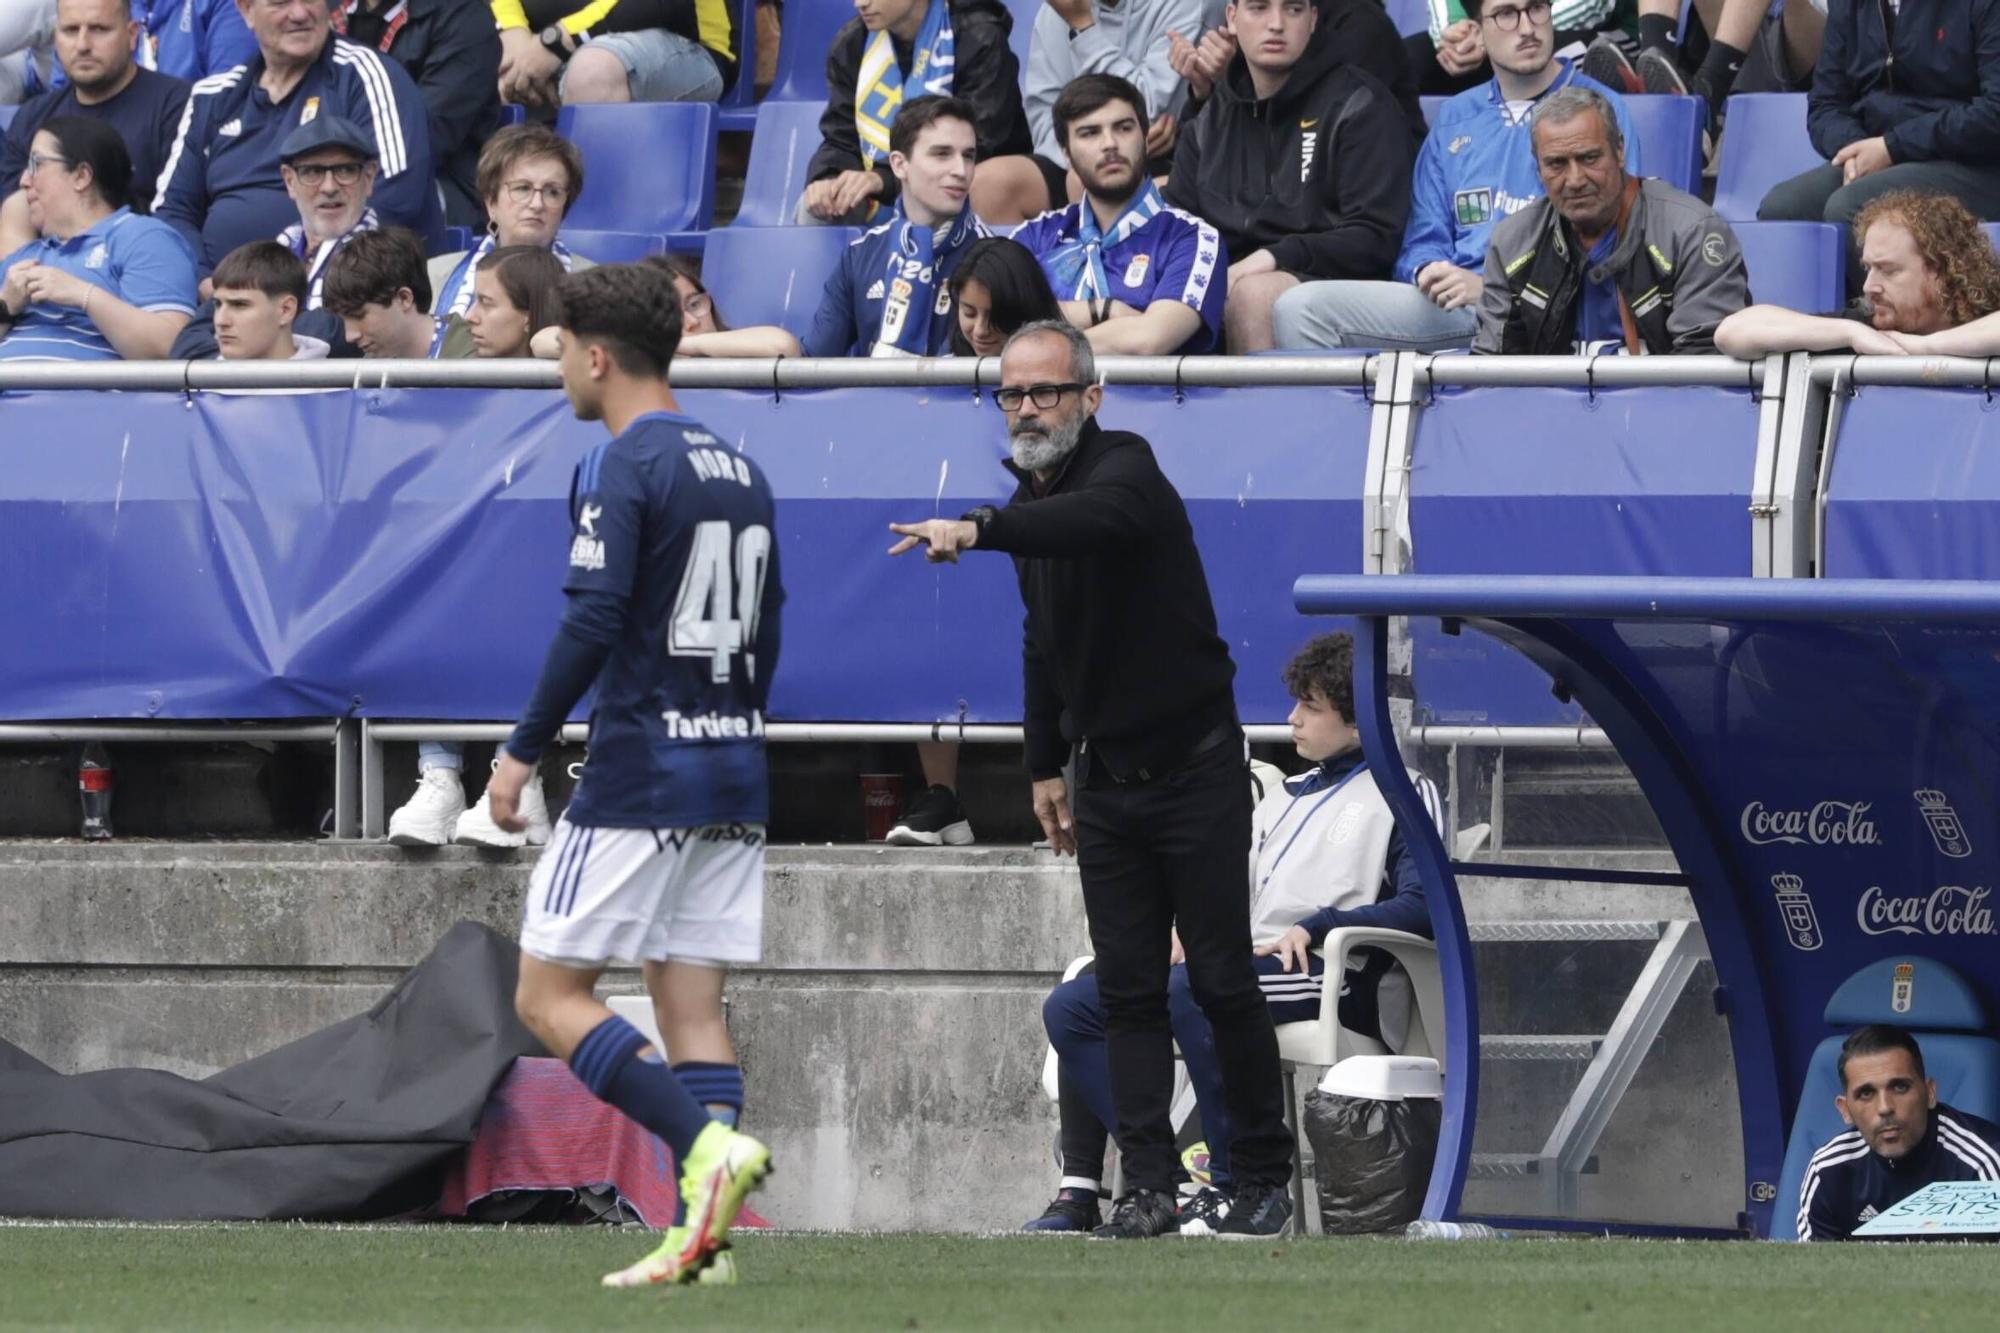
{"type": "Point", "coordinates": [891, 1038]}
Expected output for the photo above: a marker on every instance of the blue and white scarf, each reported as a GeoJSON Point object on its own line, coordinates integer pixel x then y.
{"type": "Point", "coordinates": [913, 289]}
{"type": "Point", "coordinates": [1076, 267]}
{"type": "Point", "coordinates": [455, 296]}
{"type": "Point", "coordinates": [293, 238]}
{"type": "Point", "coordinates": [878, 86]}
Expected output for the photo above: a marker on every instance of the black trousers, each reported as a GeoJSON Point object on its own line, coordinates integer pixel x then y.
{"type": "Point", "coordinates": [1170, 851]}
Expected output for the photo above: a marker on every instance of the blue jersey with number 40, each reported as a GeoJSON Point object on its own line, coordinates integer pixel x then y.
{"type": "Point", "coordinates": [678, 526]}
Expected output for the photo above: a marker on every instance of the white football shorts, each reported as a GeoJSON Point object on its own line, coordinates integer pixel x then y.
{"type": "Point", "coordinates": [600, 895]}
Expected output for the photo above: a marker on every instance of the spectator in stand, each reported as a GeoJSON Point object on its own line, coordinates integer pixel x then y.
{"type": "Point", "coordinates": [452, 54]}
{"type": "Point", "coordinates": [27, 49]}
{"type": "Point", "coordinates": [889, 296]}
{"type": "Point", "coordinates": [1451, 56]}
{"type": "Point", "coordinates": [514, 298]}
{"type": "Point", "coordinates": [896, 53]}
{"type": "Point", "coordinates": [1604, 257]}
{"type": "Point", "coordinates": [615, 51]}
{"type": "Point", "coordinates": [996, 289]}
{"type": "Point", "coordinates": [1894, 108]}
{"type": "Point", "coordinates": [1139, 278]}
{"type": "Point", "coordinates": [101, 282]}
{"type": "Point", "coordinates": [1476, 167]}
{"type": "Point", "coordinates": [703, 330]}
{"type": "Point", "coordinates": [95, 40]}
{"type": "Point", "coordinates": [260, 288]}
{"type": "Point", "coordinates": [222, 187]}
{"type": "Point", "coordinates": [192, 39]}
{"type": "Point", "coordinates": [1071, 38]}
{"type": "Point", "coordinates": [379, 288]}
{"type": "Point", "coordinates": [1301, 162]}
{"type": "Point", "coordinates": [1933, 287]}
{"type": "Point", "coordinates": [529, 176]}
{"type": "Point", "coordinates": [1751, 48]}
{"type": "Point", "coordinates": [1358, 32]}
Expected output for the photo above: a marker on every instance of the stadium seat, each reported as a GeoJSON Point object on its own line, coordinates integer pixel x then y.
{"type": "Point", "coordinates": [456, 239]}
{"type": "Point", "coordinates": [1409, 16]}
{"type": "Point", "coordinates": [649, 173]}
{"type": "Point", "coordinates": [512, 113]}
{"type": "Point", "coordinates": [1992, 230]}
{"type": "Point", "coordinates": [1945, 1015]}
{"type": "Point", "coordinates": [738, 108]}
{"type": "Point", "coordinates": [7, 115]}
{"type": "Point", "coordinates": [809, 26]}
{"type": "Point", "coordinates": [1764, 142]}
{"type": "Point", "coordinates": [1670, 138]}
{"type": "Point", "coordinates": [1431, 106]}
{"type": "Point", "coordinates": [1024, 12]}
{"type": "Point", "coordinates": [1799, 265]}
{"type": "Point", "coordinates": [787, 136]}
{"type": "Point", "coordinates": [772, 275]}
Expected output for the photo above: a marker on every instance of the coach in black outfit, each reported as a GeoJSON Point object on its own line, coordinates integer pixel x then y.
{"type": "Point", "coordinates": [1121, 660]}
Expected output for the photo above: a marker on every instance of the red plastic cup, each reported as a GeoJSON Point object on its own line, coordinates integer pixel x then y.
{"type": "Point", "coordinates": [881, 802]}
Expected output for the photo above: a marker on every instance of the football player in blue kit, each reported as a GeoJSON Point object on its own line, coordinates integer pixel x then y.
{"type": "Point", "coordinates": [673, 597]}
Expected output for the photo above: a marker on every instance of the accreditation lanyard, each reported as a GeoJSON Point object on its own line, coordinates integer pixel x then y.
{"type": "Point", "coordinates": [1328, 795]}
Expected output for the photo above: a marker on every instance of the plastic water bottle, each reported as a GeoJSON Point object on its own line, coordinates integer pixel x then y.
{"type": "Point", "coordinates": [1422, 1229]}
{"type": "Point", "coordinates": [94, 782]}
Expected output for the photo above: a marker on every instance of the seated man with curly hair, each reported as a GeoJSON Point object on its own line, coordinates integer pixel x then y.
{"type": "Point", "coordinates": [1930, 270]}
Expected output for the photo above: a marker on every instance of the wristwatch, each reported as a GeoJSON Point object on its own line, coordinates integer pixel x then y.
{"type": "Point", "coordinates": [556, 42]}
{"type": "Point", "coordinates": [979, 517]}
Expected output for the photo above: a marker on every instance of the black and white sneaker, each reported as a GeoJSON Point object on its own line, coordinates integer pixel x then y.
{"type": "Point", "coordinates": [1605, 60]}
{"type": "Point", "coordinates": [934, 819]}
{"type": "Point", "coordinates": [1660, 75]}
{"type": "Point", "coordinates": [1202, 1212]}
{"type": "Point", "coordinates": [1257, 1212]}
{"type": "Point", "coordinates": [1140, 1215]}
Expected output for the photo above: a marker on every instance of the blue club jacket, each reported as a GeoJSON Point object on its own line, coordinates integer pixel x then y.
{"type": "Point", "coordinates": [1933, 93]}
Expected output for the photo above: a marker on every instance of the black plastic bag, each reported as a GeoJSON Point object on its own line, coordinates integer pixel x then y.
{"type": "Point", "coordinates": [1372, 1159]}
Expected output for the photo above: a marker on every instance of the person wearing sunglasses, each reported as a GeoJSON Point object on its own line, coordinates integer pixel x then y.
{"type": "Point", "coordinates": [1125, 673]}
{"type": "Point", "coordinates": [1476, 167]}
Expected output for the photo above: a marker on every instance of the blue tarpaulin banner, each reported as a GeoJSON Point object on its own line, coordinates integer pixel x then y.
{"type": "Point", "coordinates": [1915, 491]}
{"type": "Point", "coordinates": [400, 553]}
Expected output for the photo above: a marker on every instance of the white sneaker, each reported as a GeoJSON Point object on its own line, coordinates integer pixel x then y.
{"type": "Point", "coordinates": [428, 817]}
{"type": "Point", "coordinates": [477, 829]}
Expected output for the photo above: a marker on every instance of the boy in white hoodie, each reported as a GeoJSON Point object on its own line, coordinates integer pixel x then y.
{"type": "Point", "coordinates": [1324, 852]}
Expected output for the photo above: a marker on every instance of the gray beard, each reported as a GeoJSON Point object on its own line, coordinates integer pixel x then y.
{"type": "Point", "coordinates": [1041, 450]}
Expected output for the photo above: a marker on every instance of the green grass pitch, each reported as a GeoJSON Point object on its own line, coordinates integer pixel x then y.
{"type": "Point", "coordinates": [302, 1277]}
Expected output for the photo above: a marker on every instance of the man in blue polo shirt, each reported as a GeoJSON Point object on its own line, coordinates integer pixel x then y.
{"type": "Point", "coordinates": [192, 39]}
{"type": "Point", "coordinates": [222, 188]}
{"type": "Point", "coordinates": [101, 282]}
{"type": "Point", "coordinates": [1476, 167]}
{"type": "Point", "coordinates": [889, 296]}
{"type": "Point", "coordinates": [1140, 279]}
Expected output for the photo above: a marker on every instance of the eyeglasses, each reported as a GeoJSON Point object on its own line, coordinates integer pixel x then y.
{"type": "Point", "coordinates": [344, 173]}
{"type": "Point", "coordinates": [1045, 395]}
{"type": "Point", "coordinates": [697, 304]}
{"type": "Point", "coordinates": [36, 161]}
{"type": "Point", "coordinates": [522, 191]}
{"type": "Point", "coordinates": [1506, 20]}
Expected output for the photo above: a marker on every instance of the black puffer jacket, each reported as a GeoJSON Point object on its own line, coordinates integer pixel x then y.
{"type": "Point", "coordinates": [985, 73]}
{"type": "Point", "coordinates": [1319, 173]}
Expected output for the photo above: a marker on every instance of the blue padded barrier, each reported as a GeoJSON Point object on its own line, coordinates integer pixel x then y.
{"type": "Point", "coordinates": [649, 171]}
{"type": "Point", "coordinates": [1799, 265]}
{"type": "Point", "coordinates": [1669, 130]}
{"type": "Point", "coordinates": [1764, 141]}
{"type": "Point", "coordinates": [400, 553]}
{"type": "Point", "coordinates": [1563, 481]}
{"type": "Point", "coordinates": [1915, 486]}
{"type": "Point", "coordinates": [772, 275]}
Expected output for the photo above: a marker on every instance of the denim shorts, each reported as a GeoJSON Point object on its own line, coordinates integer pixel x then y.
{"type": "Point", "coordinates": [662, 66]}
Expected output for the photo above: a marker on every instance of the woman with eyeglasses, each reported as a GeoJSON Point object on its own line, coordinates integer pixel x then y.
{"type": "Point", "coordinates": [99, 282]}
{"type": "Point", "coordinates": [703, 330]}
{"type": "Point", "coordinates": [529, 176]}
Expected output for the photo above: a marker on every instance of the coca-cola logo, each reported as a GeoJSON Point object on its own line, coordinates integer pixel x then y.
{"type": "Point", "coordinates": [1828, 824]}
{"type": "Point", "coordinates": [1949, 909]}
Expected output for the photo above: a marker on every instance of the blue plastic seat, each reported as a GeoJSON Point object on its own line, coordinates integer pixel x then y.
{"type": "Point", "coordinates": [1945, 1015]}
{"type": "Point", "coordinates": [648, 175]}
{"type": "Point", "coordinates": [1992, 230]}
{"type": "Point", "coordinates": [1670, 138]}
{"type": "Point", "coordinates": [772, 275]}
{"type": "Point", "coordinates": [809, 26]}
{"type": "Point", "coordinates": [1410, 16]}
{"type": "Point", "coordinates": [1764, 142]}
{"type": "Point", "coordinates": [7, 115]}
{"type": "Point", "coordinates": [1798, 265]}
{"type": "Point", "coordinates": [1431, 105]}
{"type": "Point", "coordinates": [1024, 12]}
{"type": "Point", "coordinates": [787, 137]}
{"type": "Point", "coordinates": [738, 108]}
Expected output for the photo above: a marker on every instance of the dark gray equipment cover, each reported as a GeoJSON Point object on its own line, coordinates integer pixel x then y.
{"type": "Point", "coordinates": [360, 1120]}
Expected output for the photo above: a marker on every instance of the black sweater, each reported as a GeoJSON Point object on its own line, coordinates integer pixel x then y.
{"type": "Point", "coordinates": [1119, 646]}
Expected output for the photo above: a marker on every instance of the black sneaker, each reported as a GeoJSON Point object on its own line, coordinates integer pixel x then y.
{"type": "Point", "coordinates": [1140, 1215]}
{"type": "Point", "coordinates": [1202, 1212]}
{"type": "Point", "coordinates": [1074, 1209]}
{"type": "Point", "coordinates": [934, 818]}
{"type": "Point", "coordinates": [1606, 61]}
{"type": "Point", "coordinates": [1660, 75]}
{"type": "Point", "coordinates": [1257, 1212]}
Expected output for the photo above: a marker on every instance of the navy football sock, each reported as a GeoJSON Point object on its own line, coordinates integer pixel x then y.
{"type": "Point", "coordinates": [719, 1087]}
{"type": "Point", "coordinates": [609, 1063]}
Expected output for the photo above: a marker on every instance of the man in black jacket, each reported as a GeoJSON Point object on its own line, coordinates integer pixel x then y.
{"type": "Point", "coordinates": [895, 52]}
{"type": "Point", "coordinates": [1121, 659]}
{"type": "Point", "coordinates": [1903, 98]}
{"type": "Point", "coordinates": [1300, 161]}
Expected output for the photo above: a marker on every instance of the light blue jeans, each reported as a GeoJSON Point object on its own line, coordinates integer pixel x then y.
{"type": "Point", "coordinates": [440, 754]}
{"type": "Point", "coordinates": [1379, 316]}
{"type": "Point", "coordinates": [662, 66]}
